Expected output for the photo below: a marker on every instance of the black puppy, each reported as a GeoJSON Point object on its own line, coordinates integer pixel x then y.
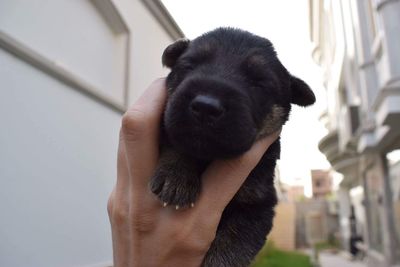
{"type": "Point", "coordinates": [226, 89]}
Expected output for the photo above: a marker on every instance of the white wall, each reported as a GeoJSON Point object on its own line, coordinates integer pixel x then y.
{"type": "Point", "coordinates": [148, 41]}
{"type": "Point", "coordinates": [58, 144]}
{"type": "Point", "coordinates": [57, 166]}
{"type": "Point", "coordinates": [73, 35]}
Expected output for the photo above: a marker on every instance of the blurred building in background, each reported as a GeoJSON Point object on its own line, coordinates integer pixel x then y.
{"type": "Point", "coordinates": [302, 222]}
{"type": "Point", "coordinates": [294, 193]}
{"type": "Point", "coordinates": [357, 46]}
{"type": "Point", "coordinates": [68, 70]}
{"type": "Point", "coordinates": [321, 183]}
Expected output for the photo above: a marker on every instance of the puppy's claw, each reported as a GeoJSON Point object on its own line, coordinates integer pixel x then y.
{"type": "Point", "coordinates": [177, 207]}
{"type": "Point", "coordinates": [191, 205]}
{"type": "Point", "coordinates": [165, 204]}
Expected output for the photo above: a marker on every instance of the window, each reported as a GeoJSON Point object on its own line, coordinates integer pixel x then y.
{"type": "Point", "coordinates": [319, 182]}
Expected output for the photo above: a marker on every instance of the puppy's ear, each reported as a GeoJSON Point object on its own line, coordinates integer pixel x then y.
{"type": "Point", "coordinates": [302, 95]}
{"type": "Point", "coordinates": [173, 51]}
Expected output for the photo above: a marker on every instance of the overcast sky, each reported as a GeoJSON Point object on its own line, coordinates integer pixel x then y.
{"type": "Point", "coordinates": [285, 23]}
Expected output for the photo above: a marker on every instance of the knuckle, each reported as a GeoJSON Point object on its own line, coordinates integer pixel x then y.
{"type": "Point", "coordinates": [143, 223]}
{"type": "Point", "coordinates": [208, 224]}
{"type": "Point", "coordinates": [110, 205]}
{"type": "Point", "coordinates": [236, 164]}
{"type": "Point", "coordinates": [247, 160]}
{"type": "Point", "coordinates": [198, 241]}
{"type": "Point", "coordinates": [133, 124]}
{"type": "Point", "coordinates": [179, 233]}
{"type": "Point", "coordinates": [119, 216]}
{"type": "Point", "coordinates": [193, 238]}
{"type": "Point", "coordinates": [243, 162]}
{"type": "Point", "coordinates": [118, 211]}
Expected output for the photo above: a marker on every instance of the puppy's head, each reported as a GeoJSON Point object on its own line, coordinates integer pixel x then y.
{"type": "Point", "coordinates": [226, 89]}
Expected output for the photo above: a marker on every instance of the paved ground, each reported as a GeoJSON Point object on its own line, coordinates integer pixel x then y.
{"type": "Point", "coordinates": [338, 260]}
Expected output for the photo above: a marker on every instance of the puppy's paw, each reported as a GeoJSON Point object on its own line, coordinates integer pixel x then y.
{"type": "Point", "coordinates": [178, 188]}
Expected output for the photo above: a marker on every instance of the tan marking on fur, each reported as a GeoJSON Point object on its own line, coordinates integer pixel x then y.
{"type": "Point", "coordinates": [272, 122]}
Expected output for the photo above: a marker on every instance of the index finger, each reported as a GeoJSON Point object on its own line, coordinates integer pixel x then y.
{"type": "Point", "coordinates": [140, 134]}
{"type": "Point", "coordinates": [223, 178]}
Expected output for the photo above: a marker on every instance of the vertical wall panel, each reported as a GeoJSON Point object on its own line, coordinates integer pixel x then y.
{"type": "Point", "coordinates": [57, 167]}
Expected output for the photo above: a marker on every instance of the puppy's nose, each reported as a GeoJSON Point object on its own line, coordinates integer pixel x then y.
{"type": "Point", "coordinates": [206, 107]}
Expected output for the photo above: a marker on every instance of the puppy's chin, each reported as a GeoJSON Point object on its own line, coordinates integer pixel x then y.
{"type": "Point", "coordinates": [208, 147]}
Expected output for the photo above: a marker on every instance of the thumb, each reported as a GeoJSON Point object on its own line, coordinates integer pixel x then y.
{"type": "Point", "coordinates": [223, 178]}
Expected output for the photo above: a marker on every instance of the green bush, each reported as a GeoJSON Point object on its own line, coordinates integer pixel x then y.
{"type": "Point", "coordinates": [270, 256]}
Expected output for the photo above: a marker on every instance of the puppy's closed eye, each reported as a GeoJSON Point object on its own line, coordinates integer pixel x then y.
{"type": "Point", "coordinates": [197, 58]}
{"type": "Point", "coordinates": [255, 66]}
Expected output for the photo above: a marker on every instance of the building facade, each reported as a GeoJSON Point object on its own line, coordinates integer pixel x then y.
{"type": "Point", "coordinates": [321, 183]}
{"type": "Point", "coordinates": [68, 71]}
{"type": "Point", "coordinates": [294, 193]}
{"type": "Point", "coordinates": [357, 46]}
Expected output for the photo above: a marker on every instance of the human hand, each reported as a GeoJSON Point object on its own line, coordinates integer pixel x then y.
{"type": "Point", "coordinates": [144, 233]}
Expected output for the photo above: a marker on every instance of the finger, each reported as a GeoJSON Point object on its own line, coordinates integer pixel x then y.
{"type": "Point", "coordinates": [119, 228]}
{"type": "Point", "coordinates": [223, 178]}
{"type": "Point", "coordinates": [140, 133]}
{"type": "Point", "coordinates": [122, 184]}
{"type": "Point", "coordinates": [118, 214]}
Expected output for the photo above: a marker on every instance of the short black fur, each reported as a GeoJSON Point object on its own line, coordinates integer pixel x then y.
{"type": "Point", "coordinates": [226, 89]}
